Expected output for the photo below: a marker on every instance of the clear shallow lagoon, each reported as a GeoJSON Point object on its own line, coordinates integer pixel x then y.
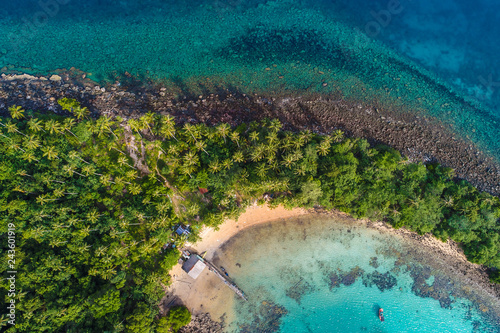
{"type": "Point", "coordinates": [317, 274]}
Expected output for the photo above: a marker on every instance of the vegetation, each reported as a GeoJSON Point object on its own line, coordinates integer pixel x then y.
{"type": "Point", "coordinates": [178, 316]}
{"type": "Point", "coordinates": [93, 203]}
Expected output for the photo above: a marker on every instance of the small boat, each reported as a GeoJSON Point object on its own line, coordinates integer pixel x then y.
{"type": "Point", "coordinates": [381, 314]}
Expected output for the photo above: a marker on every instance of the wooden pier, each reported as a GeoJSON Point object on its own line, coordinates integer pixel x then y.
{"type": "Point", "coordinates": [211, 267]}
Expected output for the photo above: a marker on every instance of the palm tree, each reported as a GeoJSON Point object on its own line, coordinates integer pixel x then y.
{"type": "Point", "coordinates": [173, 150]}
{"type": "Point", "coordinates": [288, 160]}
{"type": "Point", "coordinates": [23, 173]}
{"type": "Point", "coordinates": [298, 142]}
{"type": "Point", "coordinates": [254, 136]}
{"type": "Point", "coordinates": [11, 128]}
{"type": "Point", "coordinates": [80, 112]}
{"type": "Point", "coordinates": [103, 125]}
{"type": "Point", "coordinates": [134, 189]}
{"type": "Point", "coordinates": [68, 125]}
{"type": "Point", "coordinates": [32, 142]}
{"type": "Point", "coordinates": [300, 170]}
{"type": "Point", "coordinates": [238, 157]}
{"type": "Point", "coordinates": [148, 118]}
{"type": "Point", "coordinates": [261, 170]}
{"type": "Point", "coordinates": [106, 180]}
{"type": "Point", "coordinates": [271, 158]}
{"type": "Point", "coordinates": [16, 112]}
{"type": "Point", "coordinates": [53, 126]}
{"type": "Point", "coordinates": [59, 192]}
{"type": "Point", "coordinates": [448, 201]}
{"type": "Point", "coordinates": [235, 137]}
{"type": "Point", "coordinates": [29, 156]}
{"type": "Point", "coordinates": [306, 136]}
{"type": "Point", "coordinates": [68, 169]}
{"type": "Point", "coordinates": [42, 199]}
{"type": "Point", "coordinates": [323, 149]}
{"type": "Point", "coordinates": [122, 160]}
{"type": "Point", "coordinates": [223, 130]}
{"type": "Point", "coordinates": [167, 127]}
{"type": "Point", "coordinates": [273, 164]}
{"type": "Point", "coordinates": [188, 169]}
{"type": "Point", "coordinates": [297, 155]}
{"type": "Point", "coordinates": [227, 164]}
{"type": "Point", "coordinates": [214, 166]}
{"type": "Point", "coordinates": [93, 216]}
{"type": "Point", "coordinates": [35, 125]}
{"type": "Point", "coordinates": [275, 125]}
{"type": "Point", "coordinates": [258, 153]}
{"type": "Point", "coordinates": [88, 170]}
{"type": "Point", "coordinates": [272, 138]}
{"type": "Point", "coordinates": [13, 146]}
{"type": "Point", "coordinates": [130, 175]}
{"type": "Point", "coordinates": [74, 154]}
{"type": "Point", "coordinates": [338, 136]}
{"type": "Point", "coordinates": [200, 145]}
{"type": "Point", "coordinates": [191, 132]}
{"type": "Point", "coordinates": [50, 152]}
{"type": "Point", "coordinates": [191, 158]}
{"type": "Point", "coordinates": [101, 250]}
{"type": "Point", "coordinates": [135, 125]}
{"type": "Point", "coordinates": [325, 145]}
{"type": "Point", "coordinates": [287, 141]}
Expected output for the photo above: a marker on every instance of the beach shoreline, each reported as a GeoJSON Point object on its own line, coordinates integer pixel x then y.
{"type": "Point", "coordinates": [209, 297]}
{"type": "Point", "coordinates": [207, 294]}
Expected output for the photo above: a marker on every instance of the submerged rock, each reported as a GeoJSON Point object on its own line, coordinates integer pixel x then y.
{"type": "Point", "coordinates": [266, 319]}
{"type": "Point", "coordinates": [383, 282]}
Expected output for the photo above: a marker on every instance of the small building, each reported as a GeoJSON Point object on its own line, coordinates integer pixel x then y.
{"type": "Point", "coordinates": [194, 266]}
{"type": "Point", "coordinates": [182, 230]}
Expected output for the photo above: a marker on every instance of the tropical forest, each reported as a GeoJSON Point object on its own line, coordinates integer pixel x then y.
{"type": "Point", "coordinates": [89, 205]}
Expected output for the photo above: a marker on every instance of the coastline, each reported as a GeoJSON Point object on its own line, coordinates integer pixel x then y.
{"type": "Point", "coordinates": [210, 300]}
{"type": "Point", "coordinates": [417, 136]}
{"type": "Point", "coordinates": [207, 294]}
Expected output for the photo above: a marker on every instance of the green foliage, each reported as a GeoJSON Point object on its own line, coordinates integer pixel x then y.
{"type": "Point", "coordinates": [177, 317]}
{"type": "Point", "coordinates": [68, 104]}
{"type": "Point", "coordinates": [310, 193]}
{"type": "Point", "coordinates": [95, 201]}
{"type": "Point", "coordinates": [494, 276]}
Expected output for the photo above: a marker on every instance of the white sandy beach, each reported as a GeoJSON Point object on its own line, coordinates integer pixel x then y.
{"type": "Point", "coordinates": [208, 294]}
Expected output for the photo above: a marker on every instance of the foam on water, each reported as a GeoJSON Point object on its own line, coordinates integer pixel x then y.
{"type": "Point", "coordinates": [319, 274]}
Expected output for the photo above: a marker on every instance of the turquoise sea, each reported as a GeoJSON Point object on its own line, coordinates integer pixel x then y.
{"type": "Point", "coordinates": [323, 274]}
{"type": "Point", "coordinates": [426, 57]}
{"type": "Point", "coordinates": [439, 59]}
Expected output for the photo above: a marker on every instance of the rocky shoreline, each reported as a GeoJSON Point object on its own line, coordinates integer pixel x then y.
{"type": "Point", "coordinates": [418, 137]}
{"type": "Point", "coordinates": [202, 323]}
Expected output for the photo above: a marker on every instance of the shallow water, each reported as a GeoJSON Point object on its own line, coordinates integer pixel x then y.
{"type": "Point", "coordinates": [286, 47]}
{"type": "Point", "coordinates": [317, 274]}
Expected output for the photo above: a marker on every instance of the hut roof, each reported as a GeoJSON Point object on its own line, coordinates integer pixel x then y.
{"type": "Point", "coordinates": [182, 230]}
{"type": "Point", "coordinates": [194, 266]}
